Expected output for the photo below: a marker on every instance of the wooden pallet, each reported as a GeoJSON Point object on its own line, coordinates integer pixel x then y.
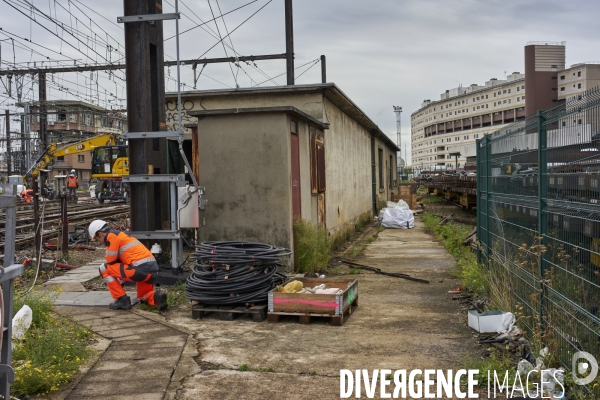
{"type": "Point", "coordinates": [229, 313]}
{"type": "Point", "coordinates": [304, 318]}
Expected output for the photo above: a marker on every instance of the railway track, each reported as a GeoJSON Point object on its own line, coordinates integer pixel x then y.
{"type": "Point", "coordinates": [78, 214]}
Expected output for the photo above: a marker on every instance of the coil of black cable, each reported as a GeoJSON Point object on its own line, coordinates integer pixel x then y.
{"type": "Point", "coordinates": [234, 273]}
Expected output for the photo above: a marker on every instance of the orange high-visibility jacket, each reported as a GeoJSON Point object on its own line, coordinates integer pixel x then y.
{"type": "Point", "coordinates": [127, 250]}
{"type": "Point", "coordinates": [72, 182]}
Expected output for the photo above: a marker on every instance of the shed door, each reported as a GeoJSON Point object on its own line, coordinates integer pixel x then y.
{"type": "Point", "coordinates": [295, 148]}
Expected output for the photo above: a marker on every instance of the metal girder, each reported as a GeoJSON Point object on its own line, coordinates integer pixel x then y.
{"type": "Point", "coordinates": [153, 178]}
{"type": "Point", "coordinates": [158, 235]}
{"type": "Point", "coordinates": [148, 17]}
{"type": "Point", "coordinates": [149, 135]}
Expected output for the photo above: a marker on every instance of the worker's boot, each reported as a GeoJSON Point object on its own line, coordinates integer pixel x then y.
{"type": "Point", "coordinates": [160, 299]}
{"type": "Point", "coordinates": [122, 303]}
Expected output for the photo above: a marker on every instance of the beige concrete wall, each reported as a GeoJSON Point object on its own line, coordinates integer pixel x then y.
{"type": "Point", "coordinates": [310, 103]}
{"type": "Point", "coordinates": [245, 167]}
{"type": "Point", "coordinates": [348, 169]}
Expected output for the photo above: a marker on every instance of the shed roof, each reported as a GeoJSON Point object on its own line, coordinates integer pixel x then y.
{"type": "Point", "coordinates": [329, 90]}
{"type": "Point", "coordinates": [286, 109]}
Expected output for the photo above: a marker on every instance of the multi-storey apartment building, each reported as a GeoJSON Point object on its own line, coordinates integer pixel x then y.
{"type": "Point", "coordinates": [577, 79]}
{"type": "Point", "coordinates": [443, 132]}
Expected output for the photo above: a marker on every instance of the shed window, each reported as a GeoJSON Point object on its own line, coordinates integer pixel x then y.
{"type": "Point", "coordinates": [380, 168]}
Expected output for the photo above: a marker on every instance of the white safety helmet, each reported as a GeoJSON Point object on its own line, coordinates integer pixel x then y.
{"type": "Point", "coordinates": [96, 226]}
{"type": "Point", "coordinates": [72, 171]}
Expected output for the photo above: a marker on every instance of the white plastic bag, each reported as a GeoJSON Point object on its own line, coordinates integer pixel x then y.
{"type": "Point", "coordinates": [398, 219]}
{"type": "Point", "coordinates": [21, 322]}
{"type": "Point", "coordinates": [401, 204]}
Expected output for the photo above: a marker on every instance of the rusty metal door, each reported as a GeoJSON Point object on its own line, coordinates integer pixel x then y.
{"type": "Point", "coordinates": [295, 147]}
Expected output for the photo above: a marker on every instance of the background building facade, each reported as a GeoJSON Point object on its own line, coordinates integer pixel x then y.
{"type": "Point", "coordinates": [443, 132]}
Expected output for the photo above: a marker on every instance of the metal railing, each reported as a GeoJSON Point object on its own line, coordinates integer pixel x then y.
{"type": "Point", "coordinates": [7, 275]}
{"type": "Point", "coordinates": [538, 222]}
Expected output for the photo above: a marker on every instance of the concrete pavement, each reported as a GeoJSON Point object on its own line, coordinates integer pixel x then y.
{"type": "Point", "coordinates": [399, 324]}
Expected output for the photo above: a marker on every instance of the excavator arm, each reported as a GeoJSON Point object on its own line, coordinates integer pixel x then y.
{"type": "Point", "coordinates": [54, 151]}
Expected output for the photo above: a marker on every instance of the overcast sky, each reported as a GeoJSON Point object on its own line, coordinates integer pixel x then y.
{"type": "Point", "coordinates": [380, 53]}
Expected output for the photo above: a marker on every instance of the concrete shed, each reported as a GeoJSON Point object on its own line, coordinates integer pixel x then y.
{"type": "Point", "coordinates": [269, 155]}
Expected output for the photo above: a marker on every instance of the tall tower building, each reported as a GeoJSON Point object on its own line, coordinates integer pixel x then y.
{"type": "Point", "coordinates": [542, 61]}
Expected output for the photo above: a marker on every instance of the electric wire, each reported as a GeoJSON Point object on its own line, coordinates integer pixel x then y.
{"type": "Point", "coordinates": [230, 273]}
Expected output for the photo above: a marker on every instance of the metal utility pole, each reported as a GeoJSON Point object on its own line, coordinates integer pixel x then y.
{"type": "Point", "coordinates": [289, 42]}
{"type": "Point", "coordinates": [8, 164]}
{"type": "Point", "coordinates": [42, 111]}
{"type": "Point", "coordinates": [146, 112]}
{"type": "Point", "coordinates": [27, 136]}
{"type": "Point", "coordinates": [398, 111]}
{"type": "Point", "coordinates": [323, 69]}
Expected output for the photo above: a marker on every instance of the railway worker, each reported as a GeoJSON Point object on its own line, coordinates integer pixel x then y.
{"type": "Point", "coordinates": [72, 184]}
{"type": "Point", "coordinates": [127, 260]}
{"type": "Point", "coordinates": [27, 195]}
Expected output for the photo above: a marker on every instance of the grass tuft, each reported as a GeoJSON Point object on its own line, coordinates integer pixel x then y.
{"type": "Point", "coordinates": [52, 351]}
{"type": "Point", "coordinates": [312, 245]}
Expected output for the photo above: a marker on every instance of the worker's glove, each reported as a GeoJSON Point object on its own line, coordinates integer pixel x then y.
{"type": "Point", "coordinates": [102, 268]}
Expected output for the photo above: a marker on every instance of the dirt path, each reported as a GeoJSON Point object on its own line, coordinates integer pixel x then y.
{"type": "Point", "coordinates": [399, 324]}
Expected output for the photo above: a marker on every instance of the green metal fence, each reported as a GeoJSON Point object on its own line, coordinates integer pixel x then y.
{"type": "Point", "coordinates": [538, 222]}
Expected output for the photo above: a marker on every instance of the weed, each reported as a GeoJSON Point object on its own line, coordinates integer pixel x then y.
{"type": "Point", "coordinates": [244, 368]}
{"type": "Point", "coordinates": [357, 251]}
{"type": "Point", "coordinates": [266, 369]}
{"type": "Point", "coordinates": [355, 271]}
{"type": "Point", "coordinates": [312, 245]}
{"type": "Point", "coordinates": [496, 362]}
{"type": "Point", "coordinates": [451, 234]}
{"type": "Point", "coordinates": [52, 350]}
{"type": "Point", "coordinates": [370, 239]}
{"type": "Point", "coordinates": [216, 367]}
{"type": "Point", "coordinates": [380, 229]}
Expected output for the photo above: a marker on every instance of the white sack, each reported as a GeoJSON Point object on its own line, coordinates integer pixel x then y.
{"type": "Point", "coordinates": [21, 322]}
{"type": "Point", "coordinates": [398, 219]}
{"type": "Point", "coordinates": [401, 204]}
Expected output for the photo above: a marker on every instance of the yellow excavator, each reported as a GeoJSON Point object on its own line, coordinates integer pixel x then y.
{"type": "Point", "coordinates": [109, 162]}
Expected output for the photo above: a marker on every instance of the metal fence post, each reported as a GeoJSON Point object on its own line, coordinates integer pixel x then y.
{"type": "Point", "coordinates": [488, 180]}
{"type": "Point", "coordinates": [542, 205]}
{"type": "Point", "coordinates": [478, 192]}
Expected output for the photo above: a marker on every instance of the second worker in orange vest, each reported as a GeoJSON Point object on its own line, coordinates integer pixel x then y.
{"type": "Point", "coordinates": [127, 260]}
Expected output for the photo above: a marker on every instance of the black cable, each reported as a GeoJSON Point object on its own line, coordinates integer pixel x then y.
{"type": "Point", "coordinates": [230, 273]}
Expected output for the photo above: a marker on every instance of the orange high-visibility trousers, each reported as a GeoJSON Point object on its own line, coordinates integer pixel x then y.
{"type": "Point", "coordinates": [115, 274]}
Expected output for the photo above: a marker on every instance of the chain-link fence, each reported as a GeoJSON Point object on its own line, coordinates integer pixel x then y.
{"type": "Point", "coordinates": [538, 222]}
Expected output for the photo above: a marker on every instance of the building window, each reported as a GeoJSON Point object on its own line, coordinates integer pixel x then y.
{"type": "Point", "coordinates": [562, 77]}
{"type": "Point", "coordinates": [504, 102]}
{"type": "Point", "coordinates": [88, 119]}
{"type": "Point", "coordinates": [486, 96]}
{"type": "Point", "coordinates": [381, 169]}
{"type": "Point", "coordinates": [494, 104]}
{"type": "Point", "coordinates": [73, 117]}
{"type": "Point", "coordinates": [518, 88]}
{"type": "Point", "coordinates": [523, 87]}
{"type": "Point", "coordinates": [80, 158]}
{"type": "Point", "coordinates": [578, 122]}
{"type": "Point", "coordinates": [60, 158]}
{"type": "Point", "coordinates": [579, 73]}
{"type": "Point", "coordinates": [509, 101]}
{"type": "Point", "coordinates": [508, 90]}
{"type": "Point", "coordinates": [562, 89]}
{"type": "Point", "coordinates": [579, 86]}
{"type": "Point", "coordinates": [522, 97]}
{"type": "Point", "coordinates": [62, 116]}
{"type": "Point", "coordinates": [486, 106]}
